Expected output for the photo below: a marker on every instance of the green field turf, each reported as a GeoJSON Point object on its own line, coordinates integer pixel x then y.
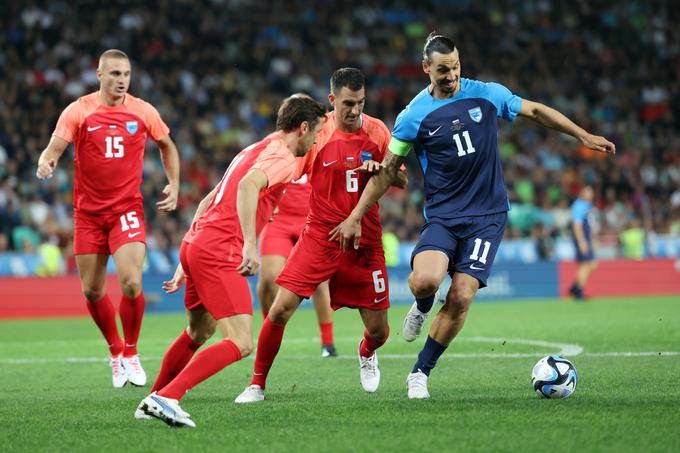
{"type": "Point", "coordinates": [56, 389]}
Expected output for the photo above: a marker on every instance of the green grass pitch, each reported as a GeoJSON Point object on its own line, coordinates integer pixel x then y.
{"type": "Point", "coordinates": [56, 392]}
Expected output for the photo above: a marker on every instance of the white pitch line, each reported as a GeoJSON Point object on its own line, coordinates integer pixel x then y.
{"type": "Point", "coordinates": [32, 361]}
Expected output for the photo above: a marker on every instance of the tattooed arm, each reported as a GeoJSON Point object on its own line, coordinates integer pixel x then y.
{"type": "Point", "coordinates": [350, 228]}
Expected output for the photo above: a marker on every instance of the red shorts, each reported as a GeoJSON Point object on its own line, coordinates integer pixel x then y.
{"type": "Point", "coordinates": [213, 283]}
{"type": "Point", "coordinates": [106, 233]}
{"type": "Point", "coordinates": [280, 235]}
{"type": "Point", "coordinates": [358, 278]}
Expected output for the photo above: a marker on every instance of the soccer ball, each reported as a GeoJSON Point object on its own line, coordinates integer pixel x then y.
{"type": "Point", "coordinates": [554, 377]}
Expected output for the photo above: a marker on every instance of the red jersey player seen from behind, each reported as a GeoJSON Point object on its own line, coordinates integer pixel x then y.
{"type": "Point", "coordinates": [109, 129]}
{"type": "Point", "coordinates": [220, 250]}
{"type": "Point", "coordinates": [358, 278]}
{"type": "Point", "coordinates": [276, 243]}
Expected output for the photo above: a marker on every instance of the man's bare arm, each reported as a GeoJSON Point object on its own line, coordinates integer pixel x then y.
{"type": "Point", "coordinates": [170, 159]}
{"type": "Point", "coordinates": [50, 156]}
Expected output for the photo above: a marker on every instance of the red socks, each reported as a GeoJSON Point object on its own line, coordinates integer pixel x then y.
{"type": "Point", "coordinates": [369, 345]}
{"type": "Point", "coordinates": [176, 358]}
{"type": "Point", "coordinates": [268, 345]}
{"type": "Point", "coordinates": [131, 313]}
{"type": "Point", "coordinates": [206, 363]}
{"type": "Point", "coordinates": [326, 330]}
{"type": "Point", "coordinates": [104, 316]}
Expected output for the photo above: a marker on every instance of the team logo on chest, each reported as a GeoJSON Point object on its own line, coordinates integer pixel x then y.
{"type": "Point", "coordinates": [476, 114]}
{"type": "Point", "coordinates": [132, 127]}
{"type": "Point", "coordinates": [366, 155]}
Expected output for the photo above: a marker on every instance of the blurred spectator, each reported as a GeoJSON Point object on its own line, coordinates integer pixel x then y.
{"type": "Point", "coordinates": [632, 240]}
{"type": "Point", "coordinates": [217, 70]}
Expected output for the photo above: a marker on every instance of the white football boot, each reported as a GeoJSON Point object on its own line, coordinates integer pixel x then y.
{"type": "Point", "coordinates": [252, 394]}
{"type": "Point", "coordinates": [118, 374]}
{"type": "Point", "coordinates": [369, 372]}
{"type": "Point", "coordinates": [415, 319]}
{"type": "Point", "coordinates": [167, 410]}
{"type": "Point", "coordinates": [416, 383]}
{"type": "Point", "coordinates": [135, 372]}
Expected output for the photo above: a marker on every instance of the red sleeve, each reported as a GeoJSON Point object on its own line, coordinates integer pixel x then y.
{"type": "Point", "coordinates": [278, 164]}
{"type": "Point", "coordinates": [154, 123]}
{"type": "Point", "coordinates": [69, 122]}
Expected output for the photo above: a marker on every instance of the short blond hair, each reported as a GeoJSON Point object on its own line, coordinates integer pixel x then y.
{"type": "Point", "coordinates": [112, 53]}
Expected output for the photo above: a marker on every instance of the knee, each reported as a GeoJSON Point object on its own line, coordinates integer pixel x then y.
{"type": "Point", "coordinates": [281, 312]}
{"type": "Point", "coordinates": [423, 285]}
{"type": "Point", "coordinates": [459, 300]}
{"type": "Point", "coordinates": [201, 334]}
{"type": "Point", "coordinates": [245, 345]}
{"type": "Point", "coordinates": [379, 333]}
{"type": "Point", "coordinates": [93, 294]}
{"type": "Point", "coordinates": [131, 286]}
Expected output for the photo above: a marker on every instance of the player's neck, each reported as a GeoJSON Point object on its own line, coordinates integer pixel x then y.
{"type": "Point", "coordinates": [291, 140]}
{"type": "Point", "coordinates": [109, 100]}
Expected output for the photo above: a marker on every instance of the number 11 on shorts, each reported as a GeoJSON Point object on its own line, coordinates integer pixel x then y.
{"type": "Point", "coordinates": [475, 252]}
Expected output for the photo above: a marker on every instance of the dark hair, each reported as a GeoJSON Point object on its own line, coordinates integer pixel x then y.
{"type": "Point", "coordinates": [351, 78]}
{"type": "Point", "coordinates": [297, 109]}
{"type": "Point", "coordinates": [437, 43]}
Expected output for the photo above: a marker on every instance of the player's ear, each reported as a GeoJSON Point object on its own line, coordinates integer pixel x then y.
{"type": "Point", "coordinates": [304, 128]}
{"type": "Point", "coordinates": [331, 99]}
{"type": "Point", "coordinates": [426, 67]}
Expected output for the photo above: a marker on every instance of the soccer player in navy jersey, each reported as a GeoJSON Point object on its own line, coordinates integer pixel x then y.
{"type": "Point", "coordinates": [452, 125]}
{"type": "Point", "coordinates": [580, 229]}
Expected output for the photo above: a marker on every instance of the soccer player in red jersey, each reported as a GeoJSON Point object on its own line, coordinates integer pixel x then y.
{"type": "Point", "coordinates": [220, 250]}
{"type": "Point", "coordinates": [109, 129]}
{"type": "Point", "coordinates": [348, 148]}
{"type": "Point", "coordinates": [276, 242]}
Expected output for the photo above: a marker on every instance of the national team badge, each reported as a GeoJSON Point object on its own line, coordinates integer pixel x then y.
{"type": "Point", "coordinates": [131, 127]}
{"type": "Point", "coordinates": [476, 114]}
{"type": "Point", "coordinates": [457, 125]}
{"type": "Point", "coordinates": [366, 155]}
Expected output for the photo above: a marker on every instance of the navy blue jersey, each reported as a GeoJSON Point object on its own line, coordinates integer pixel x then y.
{"type": "Point", "coordinates": [456, 142]}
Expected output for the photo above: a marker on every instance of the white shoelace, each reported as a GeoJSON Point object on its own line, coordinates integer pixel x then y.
{"type": "Point", "coordinates": [368, 364]}
{"type": "Point", "coordinates": [418, 381]}
{"type": "Point", "coordinates": [134, 363]}
{"type": "Point", "coordinates": [417, 320]}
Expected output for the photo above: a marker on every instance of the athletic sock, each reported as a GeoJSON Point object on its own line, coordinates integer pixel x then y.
{"type": "Point", "coordinates": [208, 362]}
{"type": "Point", "coordinates": [427, 359]}
{"type": "Point", "coordinates": [326, 331]}
{"type": "Point", "coordinates": [176, 358]}
{"type": "Point", "coordinates": [104, 315]}
{"type": "Point", "coordinates": [370, 344]}
{"type": "Point", "coordinates": [268, 345]}
{"type": "Point", "coordinates": [131, 314]}
{"type": "Point", "coordinates": [424, 304]}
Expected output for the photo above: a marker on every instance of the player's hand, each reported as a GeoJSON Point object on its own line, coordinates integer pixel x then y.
{"type": "Point", "coordinates": [370, 166]}
{"type": "Point", "coordinates": [170, 202]}
{"type": "Point", "coordinates": [583, 247]}
{"type": "Point", "coordinates": [598, 143]}
{"type": "Point", "coordinates": [349, 231]}
{"type": "Point", "coordinates": [46, 168]}
{"type": "Point", "coordinates": [175, 284]}
{"type": "Point", "coordinates": [251, 261]}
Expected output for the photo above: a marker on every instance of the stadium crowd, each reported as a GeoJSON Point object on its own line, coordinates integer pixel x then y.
{"type": "Point", "coordinates": [217, 71]}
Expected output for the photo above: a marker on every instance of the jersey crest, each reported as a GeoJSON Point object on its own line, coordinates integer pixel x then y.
{"type": "Point", "coordinates": [132, 127]}
{"type": "Point", "coordinates": [476, 114]}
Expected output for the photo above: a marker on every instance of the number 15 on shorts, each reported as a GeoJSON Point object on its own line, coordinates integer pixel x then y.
{"type": "Point", "coordinates": [129, 221]}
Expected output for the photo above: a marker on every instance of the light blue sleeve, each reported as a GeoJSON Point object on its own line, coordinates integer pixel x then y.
{"type": "Point", "coordinates": [507, 104]}
{"type": "Point", "coordinates": [405, 127]}
{"type": "Point", "coordinates": [579, 211]}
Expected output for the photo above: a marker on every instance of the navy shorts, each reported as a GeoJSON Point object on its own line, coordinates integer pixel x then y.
{"type": "Point", "coordinates": [470, 242]}
{"type": "Point", "coordinates": [589, 255]}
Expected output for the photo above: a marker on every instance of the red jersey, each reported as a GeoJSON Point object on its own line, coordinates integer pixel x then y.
{"type": "Point", "coordinates": [109, 149]}
{"type": "Point", "coordinates": [336, 187]}
{"type": "Point", "coordinates": [295, 201]}
{"type": "Point", "coordinates": [218, 230]}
